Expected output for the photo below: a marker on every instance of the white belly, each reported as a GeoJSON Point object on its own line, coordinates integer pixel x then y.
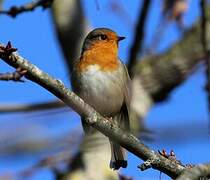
{"type": "Point", "coordinates": [102, 90]}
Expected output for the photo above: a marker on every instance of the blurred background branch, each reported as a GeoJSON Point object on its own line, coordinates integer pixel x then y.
{"type": "Point", "coordinates": [15, 76]}
{"type": "Point", "coordinates": [14, 10]}
{"type": "Point", "coordinates": [71, 27]}
{"type": "Point", "coordinates": [138, 36]}
{"type": "Point", "coordinates": [13, 108]}
{"type": "Point", "coordinates": [155, 77]}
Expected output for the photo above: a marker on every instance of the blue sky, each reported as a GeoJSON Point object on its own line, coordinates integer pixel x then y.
{"type": "Point", "coordinates": [185, 112]}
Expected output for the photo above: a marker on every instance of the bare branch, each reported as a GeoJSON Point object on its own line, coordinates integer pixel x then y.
{"type": "Point", "coordinates": [139, 36]}
{"type": "Point", "coordinates": [198, 172]}
{"type": "Point", "coordinates": [14, 10]}
{"type": "Point", "coordinates": [148, 163]}
{"type": "Point", "coordinates": [13, 108]}
{"type": "Point", "coordinates": [94, 119]}
{"type": "Point", "coordinates": [15, 76]}
{"type": "Point", "coordinates": [50, 162]}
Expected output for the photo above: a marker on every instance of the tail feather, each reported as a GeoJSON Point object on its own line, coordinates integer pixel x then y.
{"type": "Point", "coordinates": [117, 157]}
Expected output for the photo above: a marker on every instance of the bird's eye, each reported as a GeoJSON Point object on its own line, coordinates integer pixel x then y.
{"type": "Point", "coordinates": [103, 37]}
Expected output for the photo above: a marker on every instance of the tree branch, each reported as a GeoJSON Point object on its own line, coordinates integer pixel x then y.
{"type": "Point", "coordinates": [139, 36]}
{"type": "Point", "coordinates": [159, 75]}
{"type": "Point", "coordinates": [198, 172]}
{"type": "Point", "coordinates": [14, 10]}
{"type": "Point", "coordinates": [13, 108]}
{"type": "Point", "coordinates": [94, 119]}
{"type": "Point", "coordinates": [15, 76]}
{"type": "Point", "coordinates": [155, 77]}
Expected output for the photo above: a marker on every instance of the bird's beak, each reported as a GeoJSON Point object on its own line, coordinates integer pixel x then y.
{"type": "Point", "coordinates": [120, 38]}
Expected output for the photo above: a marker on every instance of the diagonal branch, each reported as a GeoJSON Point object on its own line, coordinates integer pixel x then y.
{"type": "Point", "coordinates": [94, 119]}
{"type": "Point", "coordinates": [14, 10]}
{"type": "Point", "coordinates": [139, 36]}
{"type": "Point", "coordinates": [155, 77]}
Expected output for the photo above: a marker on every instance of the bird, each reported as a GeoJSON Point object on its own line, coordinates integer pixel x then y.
{"type": "Point", "coordinates": [101, 79]}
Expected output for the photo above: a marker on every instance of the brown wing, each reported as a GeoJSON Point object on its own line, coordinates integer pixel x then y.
{"type": "Point", "coordinates": [118, 158]}
{"type": "Point", "coordinates": [122, 118]}
{"type": "Point", "coordinates": [127, 87]}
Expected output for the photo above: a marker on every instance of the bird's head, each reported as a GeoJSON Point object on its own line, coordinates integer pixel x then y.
{"type": "Point", "coordinates": [102, 38]}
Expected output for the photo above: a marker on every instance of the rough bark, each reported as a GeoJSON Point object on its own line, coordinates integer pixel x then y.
{"type": "Point", "coordinates": [201, 171]}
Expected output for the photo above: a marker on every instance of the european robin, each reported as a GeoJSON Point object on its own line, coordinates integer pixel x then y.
{"type": "Point", "coordinates": [101, 80]}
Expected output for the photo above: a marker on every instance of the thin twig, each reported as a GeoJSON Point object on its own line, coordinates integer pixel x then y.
{"type": "Point", "coordinates": [97, 5]}
{"type": "Point", "coordinates": [15, 76]}
{"type": "Point", "coordinates": [117, 8]}
{"type": "Point", "coordinates": [14, 10]}
{"type": "Point", "coordinates": [157, 37]}
{"type": "Point", "coordinates": [50, 162]}
{"type": "Point", "coordinates": [53, 161]}
{"type": "Point", "coordinates": [139, 36]}
{"type": "Point", "coordinates": [127, 140]}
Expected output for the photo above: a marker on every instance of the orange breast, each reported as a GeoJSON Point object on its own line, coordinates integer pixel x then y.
{"type": "Point", "coordinates": [105, 57]}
